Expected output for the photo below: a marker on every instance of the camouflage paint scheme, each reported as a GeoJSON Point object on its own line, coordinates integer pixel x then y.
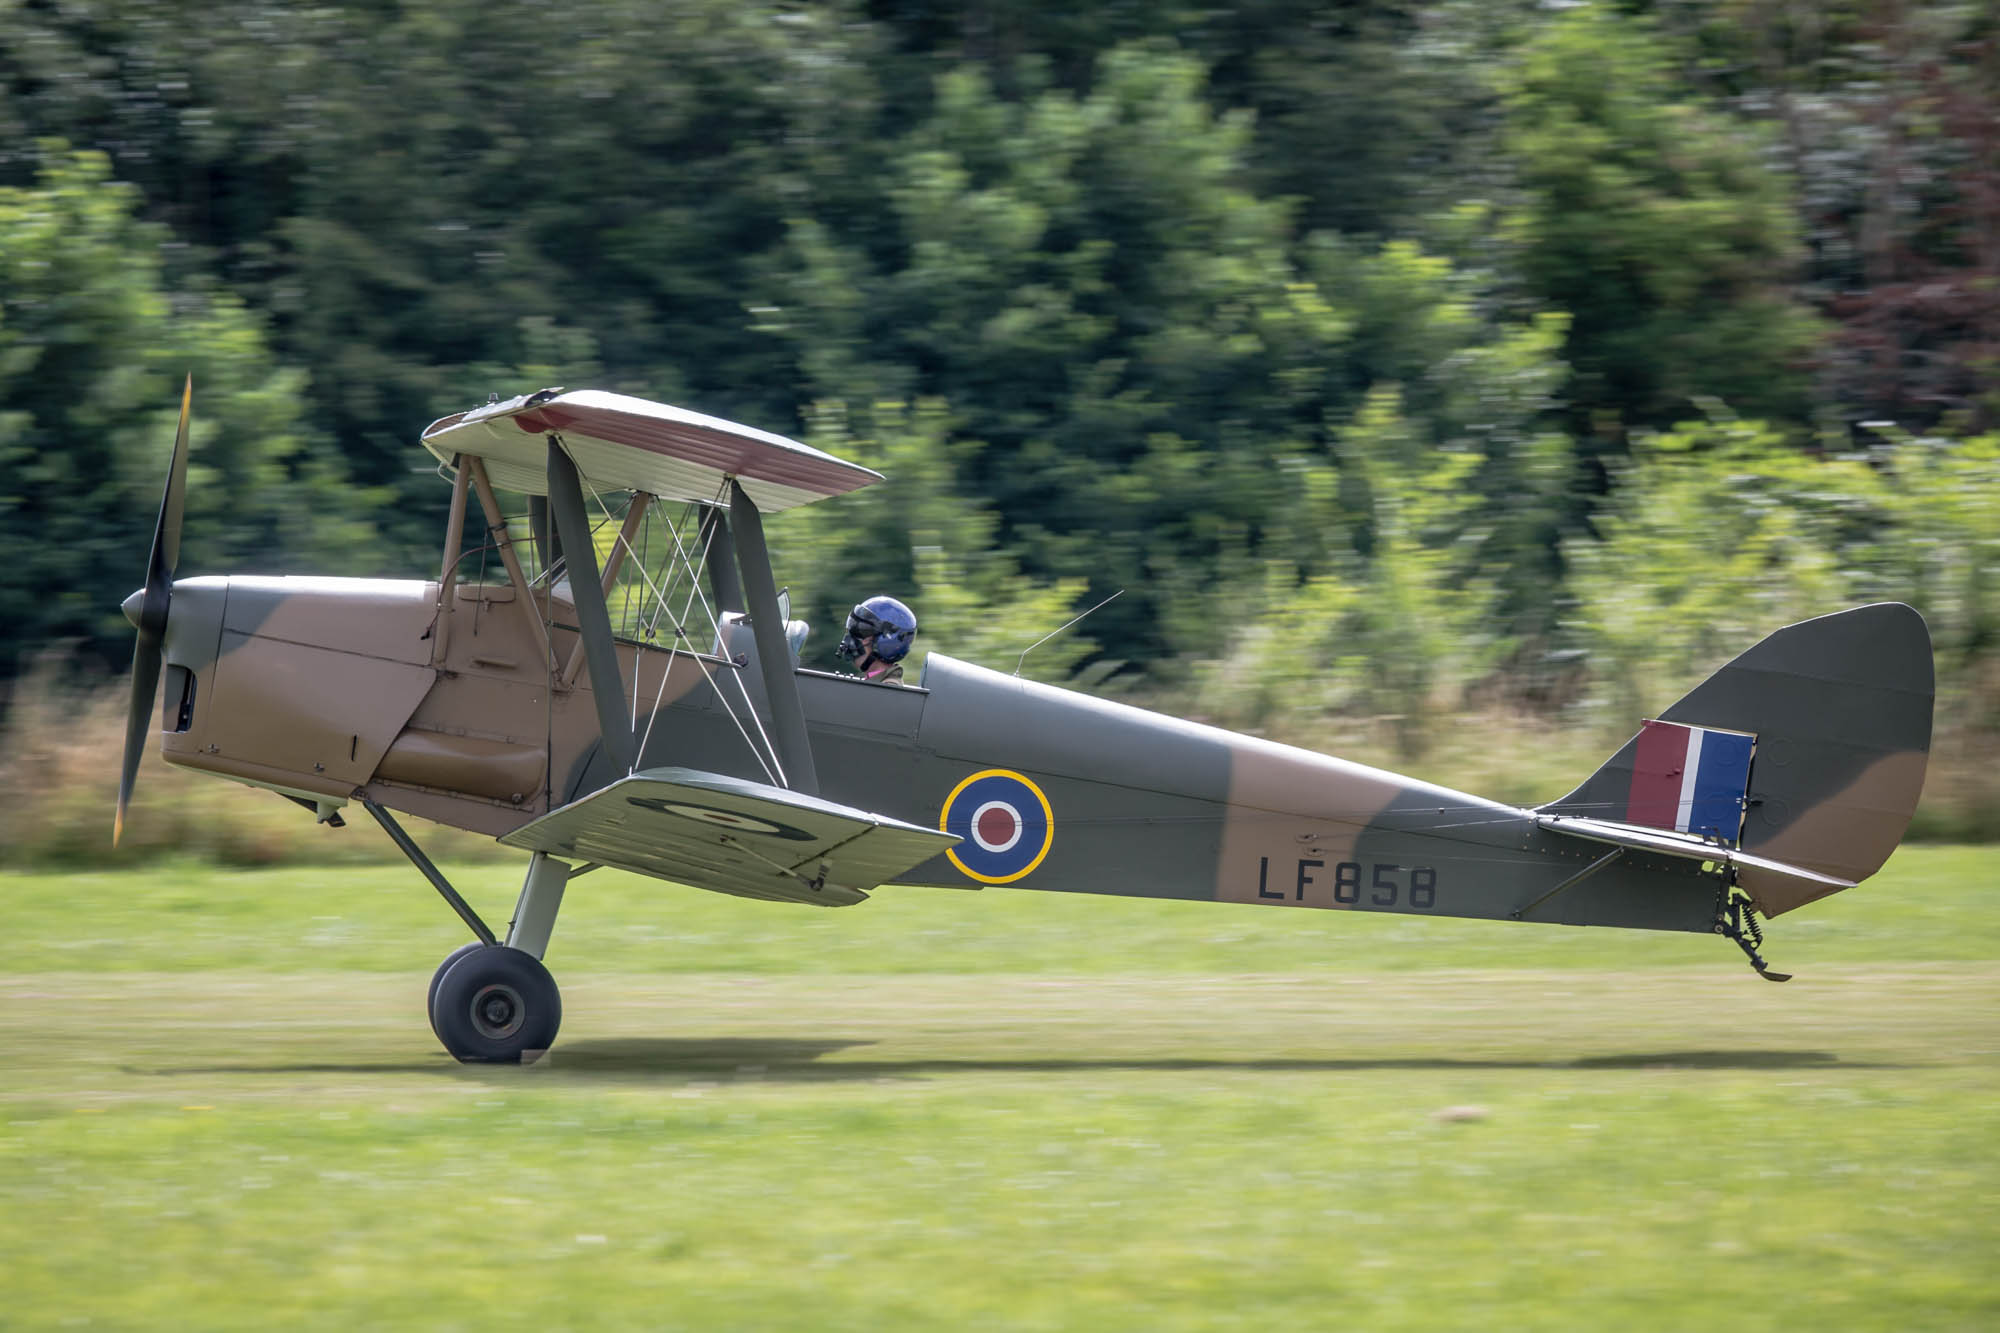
{"type": "Point", "coordinates": [514, 710]}
{"type": "Point", "coordinates": [337, 689]}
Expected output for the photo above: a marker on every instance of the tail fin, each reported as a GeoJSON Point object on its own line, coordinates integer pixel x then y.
{"type": "Point", "coordinates": [1840, 708]}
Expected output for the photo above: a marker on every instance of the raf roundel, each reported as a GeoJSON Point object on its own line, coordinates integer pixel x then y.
{"type": "Point", "coordinates": [1005, 822]}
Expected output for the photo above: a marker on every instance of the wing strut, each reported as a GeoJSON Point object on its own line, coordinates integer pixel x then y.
{"type": "Point", "coordinates": [496, 532]}
{"type": "Point", "coordinates": [635, 514]}
{"type": "Point", "coordinates": [454, 544]}
{"type": "Point", "coordinates": [600, 655]}
{"type": "Point", "coordinates": [720, 553]}
{"type": "Point", "coordinates": [774, 655]}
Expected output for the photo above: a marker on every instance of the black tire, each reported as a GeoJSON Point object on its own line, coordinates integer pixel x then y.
{"type": "Point", "coordinates": [431, 1000]}
{"type": "Point", "coordinates": [495, 1005]}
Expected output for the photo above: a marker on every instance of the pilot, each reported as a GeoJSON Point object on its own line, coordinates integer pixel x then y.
{"type": "Point", "coordinates": [878, 635]}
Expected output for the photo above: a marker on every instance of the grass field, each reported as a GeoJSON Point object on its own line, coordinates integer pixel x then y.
{"type": "Point", "coordinates": [221, 1107]}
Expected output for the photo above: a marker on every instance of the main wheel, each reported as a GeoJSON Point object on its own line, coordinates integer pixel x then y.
{"type": "Point", "coordinates": [496, 1004]}
{"type": "Point", "coordinates": [431, 1000]}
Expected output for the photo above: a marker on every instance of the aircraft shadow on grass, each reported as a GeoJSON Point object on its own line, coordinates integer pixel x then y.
{"type": "Point", "coordinates": [784, 1060]}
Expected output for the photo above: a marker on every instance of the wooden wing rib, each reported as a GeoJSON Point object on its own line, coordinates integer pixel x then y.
{"type": "Point", "coordinates": [733, 836]}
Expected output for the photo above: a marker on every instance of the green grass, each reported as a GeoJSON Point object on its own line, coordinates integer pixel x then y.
{"type": "Point", "coordinates": [1927, 904]}
{"type": "Point", "coordinates": [220, 1107]}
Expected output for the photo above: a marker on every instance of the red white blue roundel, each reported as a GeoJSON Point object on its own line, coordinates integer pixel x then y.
{"type": "Point", "coordinates": [1005, 822]}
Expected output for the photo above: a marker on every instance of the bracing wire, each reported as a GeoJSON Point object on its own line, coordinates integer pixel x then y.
{"type": "Point", "coordinates": [695, 592]}
{"type": "Point", "coordinates": [658, 597]}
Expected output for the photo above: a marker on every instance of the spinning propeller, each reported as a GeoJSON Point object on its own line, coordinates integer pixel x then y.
{"type": "Point", "coordinates": [147, 609]}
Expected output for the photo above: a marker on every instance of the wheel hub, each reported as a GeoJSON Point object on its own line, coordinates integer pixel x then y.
{"type": "Point", "coordinates": [497, 1011]}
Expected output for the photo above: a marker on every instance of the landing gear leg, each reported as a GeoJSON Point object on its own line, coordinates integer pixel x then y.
{"type": "Point", "coordinates": [541, 898]}
{"type": "Point", "coordinates": [496, 1003]}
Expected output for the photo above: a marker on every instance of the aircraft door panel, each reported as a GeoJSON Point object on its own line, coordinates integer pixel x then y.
{"type": "Point", "coordinates": [324, 715]}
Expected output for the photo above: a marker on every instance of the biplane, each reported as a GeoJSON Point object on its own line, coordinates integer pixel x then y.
{"type": "Point", "coordinates": [626, 690]}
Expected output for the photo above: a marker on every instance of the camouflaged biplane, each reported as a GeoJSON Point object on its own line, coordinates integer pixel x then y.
{"type": "Point", "coordinates": [630, 694]}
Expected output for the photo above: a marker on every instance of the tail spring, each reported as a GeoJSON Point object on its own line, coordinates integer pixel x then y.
{"type": "Point", "coordinates": [1736, 918]}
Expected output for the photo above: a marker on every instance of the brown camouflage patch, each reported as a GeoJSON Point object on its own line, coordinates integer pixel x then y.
{"type": "Point", "coordinates": [1849, 835]}
{"type": "Point", "coordinates": [1291, 823]}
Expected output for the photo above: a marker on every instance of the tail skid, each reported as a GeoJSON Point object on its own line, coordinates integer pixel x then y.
{"type": "Point", "coordinates": [1738, 920]}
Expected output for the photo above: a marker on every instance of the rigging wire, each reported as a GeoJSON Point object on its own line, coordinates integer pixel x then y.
{"type": "Point", "coordinates": [694, 578]}
{"type": "Point", "coordinates": [673, 651]}
{"type": "Point", "coordinates": [767, 758]}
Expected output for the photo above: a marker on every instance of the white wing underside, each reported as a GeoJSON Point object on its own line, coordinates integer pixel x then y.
{"type": "Point", "coordinates": [621, 443]}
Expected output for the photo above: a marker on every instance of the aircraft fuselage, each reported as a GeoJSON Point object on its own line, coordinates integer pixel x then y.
{"type": "Point", "coordinates": [336, 689]}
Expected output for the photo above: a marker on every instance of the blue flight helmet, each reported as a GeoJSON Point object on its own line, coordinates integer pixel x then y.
{"type": "Point", "coordinates": [891, 623]}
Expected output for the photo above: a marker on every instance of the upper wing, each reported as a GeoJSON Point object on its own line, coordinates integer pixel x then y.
{"type": "Point", "coordinates": [733, 836]}
{"type": "Point", "coordinates": [622, 443]}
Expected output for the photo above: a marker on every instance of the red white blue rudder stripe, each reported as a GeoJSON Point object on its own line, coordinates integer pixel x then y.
{"type": "Point", "coordinates": [1691, 779]}
{"type": "Point", "coordinates": [1006, 824]}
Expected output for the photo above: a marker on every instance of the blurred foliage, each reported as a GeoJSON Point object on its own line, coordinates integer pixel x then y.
{"type": "Point", "coordinates": [93, 345]}
{"type": "Point", "coordinates": [1659, 226]}
{"type": "Point", "coordinates": [1391, 634]}
{"type": "Point", "coordinates": [1720, 531]}
{"type": "Point", "coordinates": [1717, 534]}
{"type": "Point", "coordinates": [1357, 341]}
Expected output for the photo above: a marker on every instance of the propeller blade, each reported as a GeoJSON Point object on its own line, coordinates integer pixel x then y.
{"type": "Point", "coordinates": [167, 535]}
{"type": "Point", "coordinates": [145, 682]}
{"type": "Point", "coordinates": [152, 612]}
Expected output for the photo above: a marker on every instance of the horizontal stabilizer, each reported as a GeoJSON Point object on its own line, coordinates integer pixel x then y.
{"type": "Point", "coordinates": [1752, 872]}
{"type": "Point", "coordinates": [732, 836]}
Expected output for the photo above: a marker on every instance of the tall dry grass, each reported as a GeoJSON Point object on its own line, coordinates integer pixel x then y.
{"type": "Point", "coordinates": [59, 756]}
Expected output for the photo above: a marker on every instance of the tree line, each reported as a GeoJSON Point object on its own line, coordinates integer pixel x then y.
{"type": "Point", "coordinates": [1385, 354]}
